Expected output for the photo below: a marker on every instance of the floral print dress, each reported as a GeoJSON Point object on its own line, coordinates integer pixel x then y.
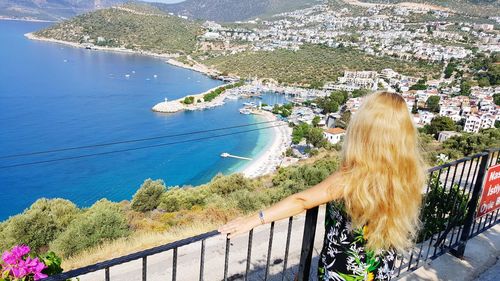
{"type": "Point", "coordinates": [343, 257]}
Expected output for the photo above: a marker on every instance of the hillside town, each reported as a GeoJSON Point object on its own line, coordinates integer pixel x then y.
{"type": "Point", "coordinates": [410, 34]}
{"type": "Point", "coordinates": [473, 112]}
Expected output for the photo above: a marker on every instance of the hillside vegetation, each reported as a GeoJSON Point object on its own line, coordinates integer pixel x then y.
{"type": "Point", "coordinates": [481, 8]}
{"type": "Point", "coordinates": [137, 27]}
{"type": "Point", "coordinates": [234, 10]}
{"type": "Point", "coordinates": [312, 64]}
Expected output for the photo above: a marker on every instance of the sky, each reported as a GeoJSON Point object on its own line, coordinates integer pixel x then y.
{"type": "Point", "coordinates": [164, 1]}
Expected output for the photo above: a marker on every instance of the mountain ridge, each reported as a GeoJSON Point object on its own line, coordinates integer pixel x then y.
{"type": "Point", "coordinates": [52, 10]}
{"type": "Point", "coordinates": [233, 10]}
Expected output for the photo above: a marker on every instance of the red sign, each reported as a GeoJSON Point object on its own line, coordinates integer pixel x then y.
{"type": "Point", "coordinates": [490, 199]}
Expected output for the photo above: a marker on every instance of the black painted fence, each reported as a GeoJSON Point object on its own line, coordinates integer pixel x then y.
{"type": "Point", "coordinates": [458, 184]}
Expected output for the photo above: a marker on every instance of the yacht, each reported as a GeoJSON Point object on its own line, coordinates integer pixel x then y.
{"type": "Point", "coordinates": [245, 111]}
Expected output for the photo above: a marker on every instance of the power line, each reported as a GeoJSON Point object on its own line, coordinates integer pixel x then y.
{"type": "Point", "coordinates": [135, 148]}
{"type": "Point", "coordinates": [130, 141]}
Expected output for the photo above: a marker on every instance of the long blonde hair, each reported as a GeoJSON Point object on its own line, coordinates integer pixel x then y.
{"type": "Point", "coordinates": [383, 172]}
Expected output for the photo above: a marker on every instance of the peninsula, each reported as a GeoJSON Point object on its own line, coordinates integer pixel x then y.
{"type": "Point", "coordinates": [208, 99]}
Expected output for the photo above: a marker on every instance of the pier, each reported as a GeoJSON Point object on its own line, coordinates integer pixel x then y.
{"type": "Point", "coordinates": [226, 155]}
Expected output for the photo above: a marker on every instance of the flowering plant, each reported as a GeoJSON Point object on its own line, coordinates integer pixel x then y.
{"type": "Point", "coordinates": [18, 265]}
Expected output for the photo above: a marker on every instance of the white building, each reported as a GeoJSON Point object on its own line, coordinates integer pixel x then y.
{"type": "Point", "coordinates": [334, 135]}
{"type": "Point", "coordinates": [474, 123]}
{"type": "Point", "coordinates": [425, 117]}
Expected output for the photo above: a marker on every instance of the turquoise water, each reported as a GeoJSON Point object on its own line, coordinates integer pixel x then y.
{"type": "Point", "coordinates": [55, 96]}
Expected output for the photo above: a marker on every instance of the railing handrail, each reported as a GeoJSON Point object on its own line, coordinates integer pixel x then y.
{"type": "Point", "coordinates": [456, 162]}
{"type": "Point", "coordinates": [131, 257]}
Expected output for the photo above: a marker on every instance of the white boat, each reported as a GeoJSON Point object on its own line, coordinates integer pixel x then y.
{"type": "Point", "coordinates": [232, 97]}
{"type": "Point", "coordinates": [245, 111]}
{"type": "Point", "coordinates": [249, 103]}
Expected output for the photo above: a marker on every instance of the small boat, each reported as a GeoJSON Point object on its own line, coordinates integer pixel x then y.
{"type": "Point", "coordinates": [245, 111]}
{"type": "Point", "coordinates": [249, 103]}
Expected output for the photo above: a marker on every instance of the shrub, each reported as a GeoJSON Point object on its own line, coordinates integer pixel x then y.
{"type": "Point", "coordinates": [188, 100]}
{"type": "Point", "coordinates": [286, 188]}
{"type": "Point", "coordinates": [101, 222]}
{"type": "Point", "coordinates": [305, 175]}
{"type": "Point", "coordinates": [148, 196]}
{"type": "Point", "coordinates": [247, 201]}
{"type": "Point", "coordinates": [439, 124]}
{"type": "Point", "coordinates": [224, 185]}
{"type": "Point", "coordinates": [39, 225]}
{"type": "Point", "coordinates": [176, 199]}
{"type": "Point", "coordinates": [442, 208]}
{"type": "Point", "coordinates": [219, 202]}
{"type": "Point", "coordinates": [468, 144]}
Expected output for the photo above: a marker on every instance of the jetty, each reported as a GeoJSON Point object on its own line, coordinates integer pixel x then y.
{"type": "Point", "coordinates": [198, 102]}
{"type": "Point", "coordinates": [226, 155]}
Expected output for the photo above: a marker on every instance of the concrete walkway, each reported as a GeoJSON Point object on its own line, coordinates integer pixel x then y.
{"type": "Point", "coordinates": [492, 274]}
{"type": "Point", "coordinates": [481, 257]}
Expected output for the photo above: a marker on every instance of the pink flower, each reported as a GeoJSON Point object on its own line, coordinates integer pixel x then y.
{"type": "Point", "coordinates": [40, 275]}
{"type": "Point", "coordinates": [9, 258]}
{"type": "Point", "coordinates": [37, 268]}
{"type": "Point", "coordinates": [20, 250]}
{"type": "Point", "coordinates": [19, 272]}
{"type": "Point", "coordinates": [19, 266]}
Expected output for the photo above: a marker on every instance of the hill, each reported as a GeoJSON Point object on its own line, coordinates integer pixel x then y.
{"type": "Point", "coordinates": [482, 8]}
{"type": "Point", "coordinates": [233, 10]}
{"type": "Point", "coordinates": [311, 65]}
{"type": "Point", "coordinates": [51, 9]}
{"type": "Point", "coordinates": [133, 26]}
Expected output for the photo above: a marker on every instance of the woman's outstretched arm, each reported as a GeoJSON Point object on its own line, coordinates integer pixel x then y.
{"type": "Point", "coordinates": [292, 205]}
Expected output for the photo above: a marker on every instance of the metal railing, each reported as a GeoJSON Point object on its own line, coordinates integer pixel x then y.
{"type": "Point", "coordinates": [458, 186]}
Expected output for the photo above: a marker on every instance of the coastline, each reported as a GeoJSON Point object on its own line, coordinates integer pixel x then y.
{"type": "Point", "coordinates": [271, 156]}
{"type": "Point", "coordinates": [169, 58]}
{"type": "Point", "coordinates": [22, 19]}
{"type": "Point", "coordinates": [267, 159]}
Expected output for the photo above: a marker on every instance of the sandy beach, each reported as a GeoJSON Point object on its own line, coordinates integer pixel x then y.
{"type": "Point", "coordinates": [272, 156]}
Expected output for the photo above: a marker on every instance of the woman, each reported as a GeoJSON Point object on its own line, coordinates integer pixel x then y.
{"type": "Point", "coordinates": [373, 200]}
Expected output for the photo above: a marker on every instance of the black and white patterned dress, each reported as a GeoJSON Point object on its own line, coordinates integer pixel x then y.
{"type": "Point", "coordinates": [344, 257]}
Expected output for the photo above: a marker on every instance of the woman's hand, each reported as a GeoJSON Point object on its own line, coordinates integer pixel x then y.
{"type": "Point", "coordinates": [239, 226]}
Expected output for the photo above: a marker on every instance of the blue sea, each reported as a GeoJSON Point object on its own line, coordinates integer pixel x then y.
{"type": "Point", "coordinates": [54, 96]}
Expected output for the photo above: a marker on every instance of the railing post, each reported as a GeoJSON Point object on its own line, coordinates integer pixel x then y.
{"type": "Point", "coordinates": [471, 207]}
{"type": "Point", "coordinates": [307, 244]}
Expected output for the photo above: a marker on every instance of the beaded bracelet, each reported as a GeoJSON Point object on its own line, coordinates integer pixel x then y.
{"type": "Point", "coordinates": [261, 217]}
